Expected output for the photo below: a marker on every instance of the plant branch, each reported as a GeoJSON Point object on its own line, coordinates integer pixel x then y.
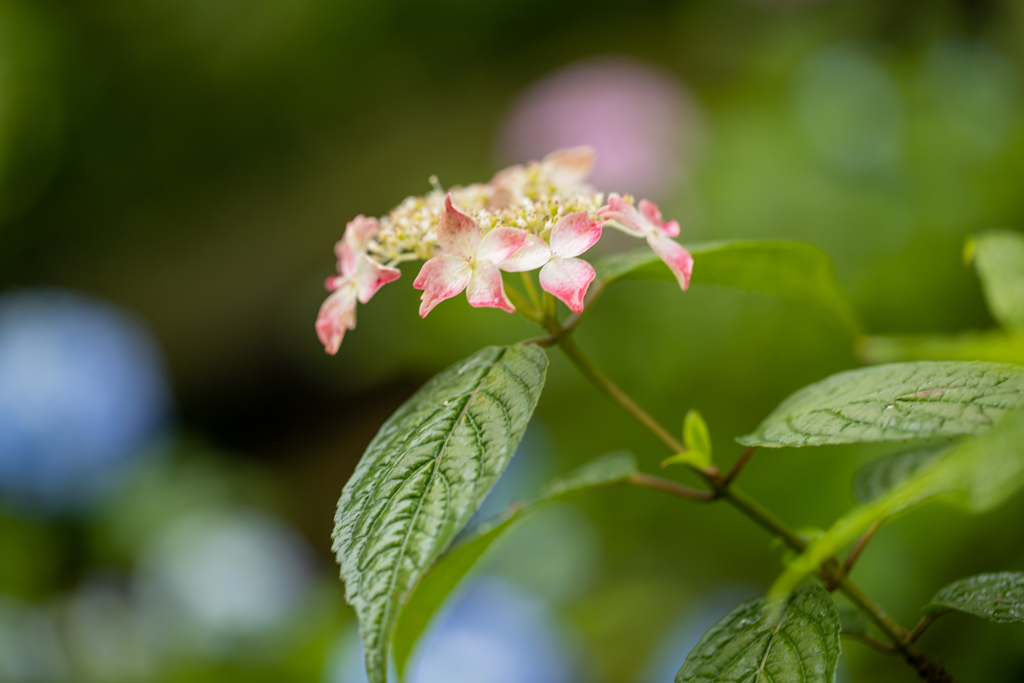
{"type": "Point", "coordinates": [871, 641]}
{"type": "Point", "coordinates": [738, 466]}
{"type": "Point", "coordinates": [922, 626]}
{"type": "Point", "coordinates": [722, 488]}
{"type": "Point", "coordinates": [858, 548]}
{"type": "Point", "coordinates": [670, 487]}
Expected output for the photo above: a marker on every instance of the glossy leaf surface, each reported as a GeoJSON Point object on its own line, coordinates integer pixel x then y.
{"type": "Point", "coordinates": [748, 645]}
{"type": "Point", "coordinates": [894, 403]}
{"type": "Point", "coordinates": [422, 477]}
{"type": "Point", "coordinates": [994, 597]}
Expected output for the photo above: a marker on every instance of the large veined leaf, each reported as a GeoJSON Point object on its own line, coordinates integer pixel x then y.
{"type": "Point", "coordinates": [750, 644]}
{"type": "Point", "coordinates": [449, 571]}
{"type": "Point", "coordinates": [995, 597]}
{"type": "Point", "coordinates": [976, 474]}
{"type": "Point", "coordinates": [998, 256]}
{"type": "Point", "coordinates": [995, 346]}
{"type": "Point", "coordinates": [791, 270]}
{"type": "Point", "coordinates": [894, 403]}
{"type": "Point", "coordinates": [422, 477]}
{"type": "Point", "coordinates": [881, 475]}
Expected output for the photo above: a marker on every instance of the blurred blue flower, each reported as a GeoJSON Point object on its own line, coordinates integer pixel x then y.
{"type": "Point", "coordinates": [491, 633]}
{"type": "Point", "coordinates": [216, 580]}
{"type": "Point", "coordinates": [83, 390]}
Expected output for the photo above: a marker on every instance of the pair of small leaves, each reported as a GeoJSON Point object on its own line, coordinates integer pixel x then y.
{"type": "Point", "coordinates": [790, 270]}
{"type": "Point", "coordinates": [697, 439]}
{"type": "Point", "coordinates": [421, 478]}
{"type": "Point", "coordinates": [751, 644]}
{"type": "Point", "coordinates": [998, 257]}
{"type": "Point", "coordinates": [451, 568]}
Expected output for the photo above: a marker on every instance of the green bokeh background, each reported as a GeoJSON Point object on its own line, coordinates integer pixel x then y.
{"type": "Point", "coordinates": [194, 162]}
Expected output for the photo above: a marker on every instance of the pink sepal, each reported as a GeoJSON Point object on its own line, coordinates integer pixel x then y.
{"type": "Point", "coordinates": [371, 276]}
{"type": "Point", "coordinates": [531, 257]}
{"type": "Point", "coordinates": [675, 257]}
{"type": "Point", "coordinates": [568, 279]}
{"type": "Point", "coordinates": [337, 314]}
{"type": "Point", "coordinates": [570, 167]}
{"type": "Point", "coordinates": [574, 234]}
{"type": "Point", "coordinates": [486, 289]}
{"type": "Point", "coordinates": [652, 213]}
{"type": "Point", "coordinates": [440, 278]}
{"type": "Point", "coordinates": [457, 233]}
{"type": "Point", "coordinates": [501, 243]}
{"type": "Point", "coordinates": [359, 232]}
{"type": "Point", "coordinates": [624, 215]}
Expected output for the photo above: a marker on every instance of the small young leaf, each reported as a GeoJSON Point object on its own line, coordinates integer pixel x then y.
{"type": "Point", "coordinates": [695, 433]}
{"type": "Point", "coordinates": [790, 270]}
{"type": "Point", "coordinates": [698, 459]}
{"type": "Point", "coordinates": [998, 256]}
{"type": "Point", "coordinates": [878, 476]}
{"type": "Point", "coordinates": [749, 645]}
{"type": "Point", "coordinates": [995, 597]}
{"type": "Point", "coordinates": [995, 346]}
{"type": "Point", "coordinates": [977, 474]}
{"type": "Point", "coordinates": [453, 566]}
{"type": "Point", "coordinates": [422, 477]}
{"type": "Point", "coordinates": [894, 403]}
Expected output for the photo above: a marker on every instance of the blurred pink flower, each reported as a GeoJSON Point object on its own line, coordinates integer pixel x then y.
{"type": "Point", "coordinates": [560, 273]}
{"type": "Point", "coordinates": [648, 223]}
{"type": "Point", "coordinates": [468, 261]}
{"type": "Point", "coordinates": [640, 120]}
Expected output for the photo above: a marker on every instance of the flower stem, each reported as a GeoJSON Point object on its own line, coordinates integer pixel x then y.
{"type": "Point", "coordinates": [721, 488]}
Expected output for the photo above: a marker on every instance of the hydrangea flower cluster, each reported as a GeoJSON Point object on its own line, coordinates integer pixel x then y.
{"type": "Point", "coordinates": [541, 215]}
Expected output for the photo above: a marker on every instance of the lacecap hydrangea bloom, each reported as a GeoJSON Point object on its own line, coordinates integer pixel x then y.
{"type": "Point", "coordinates": [541, 215]}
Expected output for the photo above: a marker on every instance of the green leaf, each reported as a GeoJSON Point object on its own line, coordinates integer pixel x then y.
{"type": "Point", "coordinates": [422, 477]}
{"type": "Point", "coordinates": [853, 620]}
{"type": "Point", "coordinates": [431, 592]}
{"type": "Point", "coordinates": [695, 433]}
{"type": "Point", "coordinates": [976, 474]}
{"type": "Point", "coordinates": [994, 597]}
{"type": "Point", "coordinates": [791, 270]}
{"type": "Point", "coordinates": [998, 256]}
{"type": "Point", "coordinates": [894, 403]}
{"type": "Point", "coordinates": [881, 475]}
{"type": "Point", "coordinates": [749, 645]}
{"type": "Point", "coordinates": [698, 459]}
{"type": "Point", "coordinates": [995, 347]}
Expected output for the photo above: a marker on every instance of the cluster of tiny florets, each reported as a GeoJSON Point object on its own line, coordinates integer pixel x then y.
{"type": "Point", "coordinates": [531, 196]}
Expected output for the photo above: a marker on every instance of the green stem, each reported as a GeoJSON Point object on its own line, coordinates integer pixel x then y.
{"type": "Point", "coordinates": [722, 488]}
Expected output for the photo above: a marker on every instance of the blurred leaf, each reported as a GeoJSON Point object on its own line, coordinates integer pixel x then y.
{"type": "Point", "coordinates": [452, 567]}
{"type": "Point", "coordinates": [977, 474]}
{"type": "Point", "coordinates": [695, 433]}
{"type": "Point", "coordinates": [994, 597]}
{"type": "Point", "coordinates": [422, 477]}
{"type": "Point", "coordinates": [894, 403]}
{"type": "Point", "coordinates": [880, 475]}
{"type": "Point", "coordinates": [995, 346]}
{"type": "Point", "coordinates": [748, 645]}
{"type": "Point", "coordinates": [853, 621]}
{"type": "Point", "coordinates": [791, 270]}
{"type": "Point", "coordinates": [998, 256]}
